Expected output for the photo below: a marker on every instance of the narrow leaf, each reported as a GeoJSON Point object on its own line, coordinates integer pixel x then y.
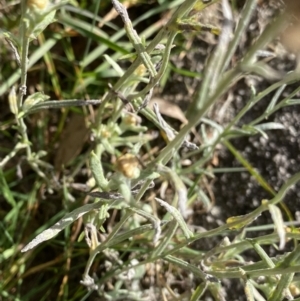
{"type": "Point", "coordinates": [282, 287]}
{"type": "Point", "coordinates": [279, 224]}
{"type": "Point", "coordinates": [58, 104]}
{"type": "Point", "coordinates": [60, 225]}
{"type": "Point", "coordinates": [97, 171]}
{"type": "Point", "coordinates": [178, 217]}
{"type": "Point", "coordinates": [115, 65]}
{"type": "Point", "coordinates": [128, 234]}
{"type": "Point", "coordinates": [34, 99]}
{"type": "Point", "coordinates": [275, 98]}
{"type": "Point", "coordinates": [190, 268]}
{"type": "Point", "coordinates": [292, 102]}
{"type": "Point", "coordinates": [269, 126]}
{"type": "Point", "coordinates": [165, 241]}
{"type": "Point", "coordinates": [240, 221]}
{"type": "Point", "coordinates": [249, 291]}
{"type": "Point", "coordinates": [153, 219]}
{"type": "Point", "coordinates": [179, 187]}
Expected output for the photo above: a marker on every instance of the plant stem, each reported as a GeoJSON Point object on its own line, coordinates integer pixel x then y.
{"type": "Point", "coordinates": [23, 86]}
{"type": "Point", "coordinates": [17, 147]}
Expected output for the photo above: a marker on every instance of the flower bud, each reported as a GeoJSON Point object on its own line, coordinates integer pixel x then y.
{"type": "Point", "coordinates": [140, 70]}
{"type": "Point", "coordinates": [128, 165]}
{"type": "Point", "coordinates": [105, 133]}
{"type": "Point", "coordinates": [39, 4]}
{"type": "Point", "coordinates": [12, 99]}
{"type": "Point", "coordinates": [131, 119]}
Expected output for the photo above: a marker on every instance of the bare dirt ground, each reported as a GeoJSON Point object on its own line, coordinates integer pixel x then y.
{"type": "Point", "coordinates": [276, 157]}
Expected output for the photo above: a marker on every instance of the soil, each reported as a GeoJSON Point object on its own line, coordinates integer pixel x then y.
{"type": "Point", "coordinates": [276, 157]}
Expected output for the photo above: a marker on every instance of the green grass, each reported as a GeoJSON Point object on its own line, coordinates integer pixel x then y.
{"type": "Point", "coordinates": [73, 133]}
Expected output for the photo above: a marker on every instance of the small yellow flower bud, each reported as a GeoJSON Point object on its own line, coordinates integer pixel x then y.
{"type": "Point", "coordinates": [294, 289]}
{"type": "Point", "coordinates": [128, 165]}
{"type": "Point", "coordinates": [140, 70]}
{"type": "Point", "coordinates": [105, 133]}
{"type": "Point", "coordinates": [12, 99]}
{"type": "Point", "coordinates": [40, 4]}
{"type": "Point", "coordinates": [131, 119]}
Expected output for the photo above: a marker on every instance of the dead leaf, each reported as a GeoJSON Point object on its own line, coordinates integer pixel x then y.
{"type": "Point", "coordinates": [169, 109]}
{"type": "Point", "coordinates": [71, 141]}
{"type": "Point", "coordinates": [172, 110]}
{"type": "Point", "coordinates": [290, 37]}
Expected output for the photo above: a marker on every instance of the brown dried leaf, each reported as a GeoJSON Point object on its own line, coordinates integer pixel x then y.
{"type": "Point", "coordinates": [290, 37]}
{"type": "Point", "coordinates": [71, 141]}
{"type": "Point", "coordinates": [172, 110]}
{"type": "Point", "coordinates": [169, 109]}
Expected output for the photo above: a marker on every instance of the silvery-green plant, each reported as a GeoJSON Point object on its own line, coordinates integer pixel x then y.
{"type": "Point", "coordinates": [124, 188]}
